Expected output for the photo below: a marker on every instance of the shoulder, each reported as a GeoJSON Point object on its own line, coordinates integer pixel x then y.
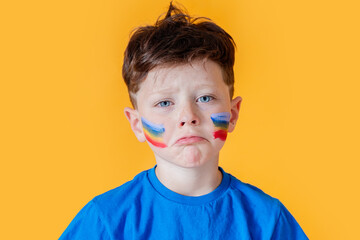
{"type": "Point", "coordinates": [258, 207]}
{"type": "Point", "coordinates": [96, 220]}
{"type": "Point", "coordinates": [264, 210]}
{"type": "Point", "coordinates": [253, 194]}
{"type": "Point", "coordinates": [127, 191]}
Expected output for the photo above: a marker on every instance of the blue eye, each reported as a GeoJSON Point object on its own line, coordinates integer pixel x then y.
{"type": "Point", "coordinates": [205, 99]}
{"type": "Point", "coordinates": [164, 104]}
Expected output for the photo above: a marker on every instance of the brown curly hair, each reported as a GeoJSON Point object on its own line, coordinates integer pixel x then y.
{"type": "Point", "coordinates": [177, 39]}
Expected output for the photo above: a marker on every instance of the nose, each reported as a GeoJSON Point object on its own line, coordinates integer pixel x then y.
{"type": "Point", "coordinates": [189, 117]}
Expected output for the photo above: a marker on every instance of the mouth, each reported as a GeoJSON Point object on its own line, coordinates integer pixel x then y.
{"type": "Point", "coordinates": [189, 140]}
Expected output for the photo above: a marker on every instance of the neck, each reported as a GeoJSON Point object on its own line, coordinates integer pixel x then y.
{"type": "Point", "coordinates": [196, 181]}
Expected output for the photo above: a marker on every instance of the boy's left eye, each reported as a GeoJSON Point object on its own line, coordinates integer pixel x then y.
{"type": "Point", "coordinates": [205, 98]}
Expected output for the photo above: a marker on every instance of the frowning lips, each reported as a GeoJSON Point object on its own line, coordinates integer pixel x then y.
{"type": "Point", "coordinates": [189, 140]}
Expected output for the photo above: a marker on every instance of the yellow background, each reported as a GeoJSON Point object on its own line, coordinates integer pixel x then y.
{"type": "Point", "coordinates": [65, 139]}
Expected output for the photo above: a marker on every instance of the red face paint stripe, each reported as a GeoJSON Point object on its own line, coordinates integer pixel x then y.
{"type": "Point", "coordinates": [221, 134]}
{"type": "Point", "coordinates": [155, 143]}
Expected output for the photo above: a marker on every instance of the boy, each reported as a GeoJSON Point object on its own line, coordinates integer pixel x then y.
{"type": "Point", "coordinates": [180, 78]}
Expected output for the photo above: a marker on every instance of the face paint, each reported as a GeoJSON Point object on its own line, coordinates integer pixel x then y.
{"type": "Point", "coordinates": [153, 133]}
{"type": "Point", "coordinates": [221, 122]}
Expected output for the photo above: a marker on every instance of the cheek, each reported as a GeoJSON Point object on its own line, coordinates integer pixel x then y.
{"type": "Point", "coordinates": [154, 133]}
{"type": "Point", "coordinates": [221, 125]}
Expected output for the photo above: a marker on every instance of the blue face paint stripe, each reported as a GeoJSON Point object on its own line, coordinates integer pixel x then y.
{"type": "Point", "coordinates": [154, 129]}
{"type": "Point", "coordinates": [221, 120]}
{"type": "Point", "coordinates": [220, 117]}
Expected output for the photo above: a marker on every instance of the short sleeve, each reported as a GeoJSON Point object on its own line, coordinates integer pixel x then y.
{"type": "Point", "coordinates": [87, 224]}
{"type": "Point", "coordinates": [287, 227]}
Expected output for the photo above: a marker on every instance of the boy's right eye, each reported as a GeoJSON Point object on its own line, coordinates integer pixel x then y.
{"type": "Point", "coordinates": [164, 104]}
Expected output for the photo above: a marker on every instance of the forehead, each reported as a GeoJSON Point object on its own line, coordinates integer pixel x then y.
{"type": "Point", "coordinates": [197, 74]}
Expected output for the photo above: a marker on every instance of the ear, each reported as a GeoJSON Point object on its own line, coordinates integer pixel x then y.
{"type": "Point", "coordinates": [133, 117]}
{"type": "Point", "coordinates": [235, 107]}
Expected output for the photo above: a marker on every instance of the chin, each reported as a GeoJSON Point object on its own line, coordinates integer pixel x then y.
{"type": "Point", "coordinates": [194, 159]}
{"type": "Point", "coordinates": [191, 156]}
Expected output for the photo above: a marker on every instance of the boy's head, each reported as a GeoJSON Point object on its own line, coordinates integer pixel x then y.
{"type": "Point", "coordinates": [180, 79]}
{"type": "Point", "coordinates": [174, 40]}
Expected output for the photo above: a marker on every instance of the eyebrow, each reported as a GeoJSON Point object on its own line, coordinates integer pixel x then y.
{"type": "Point", "coordinates": [171, 89]}
{"type": "Point", "coordinates": [161, 92]}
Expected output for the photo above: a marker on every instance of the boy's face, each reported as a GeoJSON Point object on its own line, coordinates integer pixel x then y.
{"type": "Point", "coordinates": [184, 113]}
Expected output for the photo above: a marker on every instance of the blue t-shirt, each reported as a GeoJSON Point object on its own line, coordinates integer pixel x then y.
{"type": "Point", "coordinates": [143, 208]}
